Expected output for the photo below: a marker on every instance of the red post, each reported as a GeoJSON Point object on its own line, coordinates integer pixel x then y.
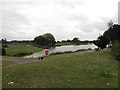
{"type": "Point", "coordinates": [46, 52]}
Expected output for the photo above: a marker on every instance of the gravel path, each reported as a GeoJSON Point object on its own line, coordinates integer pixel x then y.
{"type": "Point", "coordinates": [18, 61]}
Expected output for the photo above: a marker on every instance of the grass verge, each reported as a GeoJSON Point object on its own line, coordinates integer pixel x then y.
{"type": "Point", "coordinates": [21, 50]}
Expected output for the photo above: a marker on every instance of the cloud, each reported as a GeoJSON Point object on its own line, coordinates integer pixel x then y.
{"type": "Point", "coordinates": [65, 19]}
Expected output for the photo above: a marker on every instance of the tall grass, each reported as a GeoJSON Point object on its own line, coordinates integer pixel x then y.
{"type": "Point", "coordinates": [116, 50]}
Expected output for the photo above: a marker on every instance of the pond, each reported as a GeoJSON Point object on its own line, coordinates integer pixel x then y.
{"type": "Point", "coordinates": [61, 49]}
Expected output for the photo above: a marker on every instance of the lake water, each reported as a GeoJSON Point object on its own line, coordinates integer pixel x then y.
{"type": "Point", "coordinates": [61, 49]}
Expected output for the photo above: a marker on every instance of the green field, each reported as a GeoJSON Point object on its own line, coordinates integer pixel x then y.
{"type": "Point", "coordinates": [14, 50]}
{"type": "Point", "coordinates": [74, 70]}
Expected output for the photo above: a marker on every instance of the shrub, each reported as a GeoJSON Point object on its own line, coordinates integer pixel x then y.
{"type": "Point", "coordinates": [5, 46]}
{"type": "Point", "coordinates": [21, 54]}
{"type": "Point", "coordinates": [116, 50]}
{"type": "Point", "coordinates": [46, 47]}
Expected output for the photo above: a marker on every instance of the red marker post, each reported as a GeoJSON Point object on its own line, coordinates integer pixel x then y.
{"type": "Point", "coordinates": [46, 52]}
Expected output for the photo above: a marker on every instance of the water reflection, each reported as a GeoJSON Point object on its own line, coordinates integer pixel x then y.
{"type": "Point", "coordinates": [61, 49]}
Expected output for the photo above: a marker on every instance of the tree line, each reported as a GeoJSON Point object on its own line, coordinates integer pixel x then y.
{"type": "Point", "coordinates": [110, 37]}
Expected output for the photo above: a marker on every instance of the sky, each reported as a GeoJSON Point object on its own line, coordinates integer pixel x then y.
{"type": "Point", "coordinates": [65, 19]}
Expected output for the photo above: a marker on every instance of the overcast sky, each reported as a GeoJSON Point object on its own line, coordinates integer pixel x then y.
{"type": "Point", "coordinates": [65, 19]}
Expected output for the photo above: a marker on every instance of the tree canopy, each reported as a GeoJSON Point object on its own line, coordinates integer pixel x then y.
{"type": "Point", "coordinates": [76, 40]}
{"type": "Point", "coordinates": [45, 40]}
{"type": "Point", "coordinates": [101, 42]}
{"type": "Point", "coordinates": [113, 33]}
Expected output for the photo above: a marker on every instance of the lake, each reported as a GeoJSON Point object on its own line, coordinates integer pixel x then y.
{"type": "Point", "coordinates": [61, 49]}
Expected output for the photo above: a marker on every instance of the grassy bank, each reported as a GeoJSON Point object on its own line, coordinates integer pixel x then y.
{"type": "Point", "coordinates": [67, 43]}
{"type": "Point", "coordinates": [64, 43]}
{"type": "Point", "coordinates": [21, 50]}
{"type": "Point", "coordinates": [6, 63]}
{"type": "Point", "coordinates": [74, 70]}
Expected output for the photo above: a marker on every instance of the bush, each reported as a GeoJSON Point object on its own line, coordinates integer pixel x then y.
{"type": "Point", "coordinates": [45, 47]}
{"type": "Point", "coordinates": [21, 54]}
{"type": "Point", "coordinates": [101, 42]}
{"type": "Point", "coordinates": [116, 50]}
{"type": "Point", "coordinates": [5, 46]}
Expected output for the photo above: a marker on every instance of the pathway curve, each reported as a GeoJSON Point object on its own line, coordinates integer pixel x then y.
{"type": "Point", "coordinates": [18, 61]}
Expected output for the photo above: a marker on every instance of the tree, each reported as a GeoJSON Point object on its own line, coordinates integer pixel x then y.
{"type": "Point", "coordinates": [101, 42]}
{"type": "Point", "coordinates": [40, 40]}
{"type": "Point", "coordinates": [4, 41]}
{"type": "Point", "coordinates": [50, 40]}
{"type": "Point", "coordinates": [113, 33]}
{"type": "Point", "coordinates": [76, 41]}
{"type": "Point", "coordinates": [45, 40]}
{"type": "Point", "coordinates": [68, 40]}
{"type": "Point", "coordinates": [110, 24]}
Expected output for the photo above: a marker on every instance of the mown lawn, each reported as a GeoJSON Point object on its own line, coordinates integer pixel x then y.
{"type": "Point", "coordinates": [74, 70]}
{"type": "Point", "coordinates": [14, 50]}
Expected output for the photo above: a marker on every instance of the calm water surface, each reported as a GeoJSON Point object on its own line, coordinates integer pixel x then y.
{"type": "Point", "coordinates": [61, 49]}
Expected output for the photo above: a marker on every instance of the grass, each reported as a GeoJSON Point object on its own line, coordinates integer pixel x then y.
{"type": "Point", "coordinates": [74, 70]}
{"type": "Point", "coordinates": [64, 43]}
{"type": "Point", "coordinates": [6, 63]}
{"type": "Point", "coordinates": [67, 43]}
{"type": "Point", "coordinates": [11, 57]}
{"type": "Point", "coordinates": [22, 49]}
